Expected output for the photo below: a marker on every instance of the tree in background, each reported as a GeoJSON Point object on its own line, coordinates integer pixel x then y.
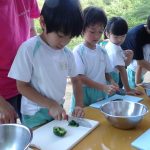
{"type": "Point", "coordinates": [134, 11]}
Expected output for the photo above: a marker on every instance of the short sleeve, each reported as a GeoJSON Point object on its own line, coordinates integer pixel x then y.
{"type": "Point", "coordinates": [79, 60]}
{"type": "Point", "coordinates": [72, 72]}
{"type": "Point", "coordinates": [21, 68]}
{"type": "Point", "coordinates": [109, 67]}
{"type": "Point", "coordinates": [138, 52]}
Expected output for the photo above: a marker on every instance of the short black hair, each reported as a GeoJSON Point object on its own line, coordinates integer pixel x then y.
{"type": "Point", "coordinates": [117, 26]}
{"type": "Point", "coordinates": [63, 16]}
{"type": "Point", "coordinates": [93, 15]}
{"type": "Point", "coordinates": [148, 22]}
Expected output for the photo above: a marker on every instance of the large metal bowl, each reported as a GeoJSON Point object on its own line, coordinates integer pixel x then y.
{"type": "Point", "coordinates": [124, 114]}
{"type": "Point", "coordinates": [14, 137]}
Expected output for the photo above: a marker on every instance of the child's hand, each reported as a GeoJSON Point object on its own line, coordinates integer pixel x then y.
{"type": "Point", "coordinates": [128, 53]}
{"type": "Point", "coordinates": [110, 89]}
{"type": "Point", "coordinates": [57, 112]}
{"type": "Point", "coordinates": [115, 84]}
{"type": "Point", "coordinates": [134, 92]}
{"type": "Point", "coordinates": [78, 112]}
{"type": "Point", "coordinates": [128, 56]}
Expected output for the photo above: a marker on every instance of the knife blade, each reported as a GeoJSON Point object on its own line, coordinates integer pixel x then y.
{"type": "Point", "coordinates": [81, 121]}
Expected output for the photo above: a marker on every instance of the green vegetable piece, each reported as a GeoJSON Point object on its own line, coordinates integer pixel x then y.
{"type": "Point", "coordinates": [59, 131]}
{"type": "Point", "coordinates": [73, 123]}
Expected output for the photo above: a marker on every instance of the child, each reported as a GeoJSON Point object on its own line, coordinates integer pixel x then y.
{"type": "Point", "coordinates": [43, 63]}
{"type": "Point", "coordinates": [137, 37]}
{"type": "Point", "coordinates": [92, 61]}
{"type": "Point", "coordinates": [116, 30]}
{"type": "Point", "coordinates": [104, 41]}
{"type": "Point", "coordinates": [135, 71]}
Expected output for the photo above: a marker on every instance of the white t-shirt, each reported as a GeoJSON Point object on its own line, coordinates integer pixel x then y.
{"type": "Point", "coordinates": [92, 63]}
{"type": "Point", "coordinates": [45, 69]}
{"type": "Point", "coordinates": [116, 55]}
{"type": "Point", "coordinates": [146, 53]}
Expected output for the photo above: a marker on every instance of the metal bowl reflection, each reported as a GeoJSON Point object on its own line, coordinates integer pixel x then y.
{"type": "Point", "coordinates": [14, 137]}
{"type": "Point", "coordinates": [124, 114]}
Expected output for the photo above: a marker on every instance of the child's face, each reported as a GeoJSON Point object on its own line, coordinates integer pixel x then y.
{"type": "Point", "coordinates": [56, 40]}
{"type": "Point", "coordinates": [116, 39]}
{"type": "Point", "coordinates": [93, 33]}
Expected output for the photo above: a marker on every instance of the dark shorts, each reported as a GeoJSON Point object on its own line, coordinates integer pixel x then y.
{"type": "Point", "coordinates": [16, 103]}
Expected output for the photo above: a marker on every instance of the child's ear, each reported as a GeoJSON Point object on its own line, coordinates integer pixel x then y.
{"type": "Point", "coordinates": [42, 23]}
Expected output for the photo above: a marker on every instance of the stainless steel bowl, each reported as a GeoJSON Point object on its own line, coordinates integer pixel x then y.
{"type": "Point", "coordinates": [124, 114]}
{"type": "Point", "coordinates": [14, 137]}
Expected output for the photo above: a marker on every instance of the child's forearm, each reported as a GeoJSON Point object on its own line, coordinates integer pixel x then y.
{"type": "Point", "coordinates": [124, 77]}
{"type": "Point", "coordinates": [92, 84]}
{"type": "Point", "coordinates": [28, 91]}
{"type": "Point", "coordinates": [138, 74]}
{"type": "Point", "coordinates": [129, 56]}
{"type": "Point", "coordinates": [110, 79]}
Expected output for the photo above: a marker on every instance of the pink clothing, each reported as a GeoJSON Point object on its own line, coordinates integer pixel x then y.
{"type": "Point", "coordinates": [14, 29]}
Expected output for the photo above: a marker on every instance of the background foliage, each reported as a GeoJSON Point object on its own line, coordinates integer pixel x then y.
{"type": "Point", "coordinates": [134, 11]}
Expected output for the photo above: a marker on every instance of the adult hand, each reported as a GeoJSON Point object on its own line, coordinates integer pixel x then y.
{"type": "Point", "coordinates": [7, 112]}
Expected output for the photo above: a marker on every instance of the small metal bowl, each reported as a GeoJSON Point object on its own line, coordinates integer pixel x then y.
{"type": "Point", "coordinates": [14, 137]}
{"type": "Point", "coordinates": [124, 114]}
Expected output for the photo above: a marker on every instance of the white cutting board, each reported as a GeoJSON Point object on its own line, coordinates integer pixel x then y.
{"type": "Point", "coordinates": [143, 141]}
{"type": "Point", "coordinates": [45, 139]}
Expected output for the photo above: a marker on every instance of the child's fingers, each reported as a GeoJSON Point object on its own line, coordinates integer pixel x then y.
{"type": "Point", "coordinates": [138, 92]}
{"type": "Point", "coordinates": [113, 88]}
{"type": "Point", "coordinates": [78, 112]}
